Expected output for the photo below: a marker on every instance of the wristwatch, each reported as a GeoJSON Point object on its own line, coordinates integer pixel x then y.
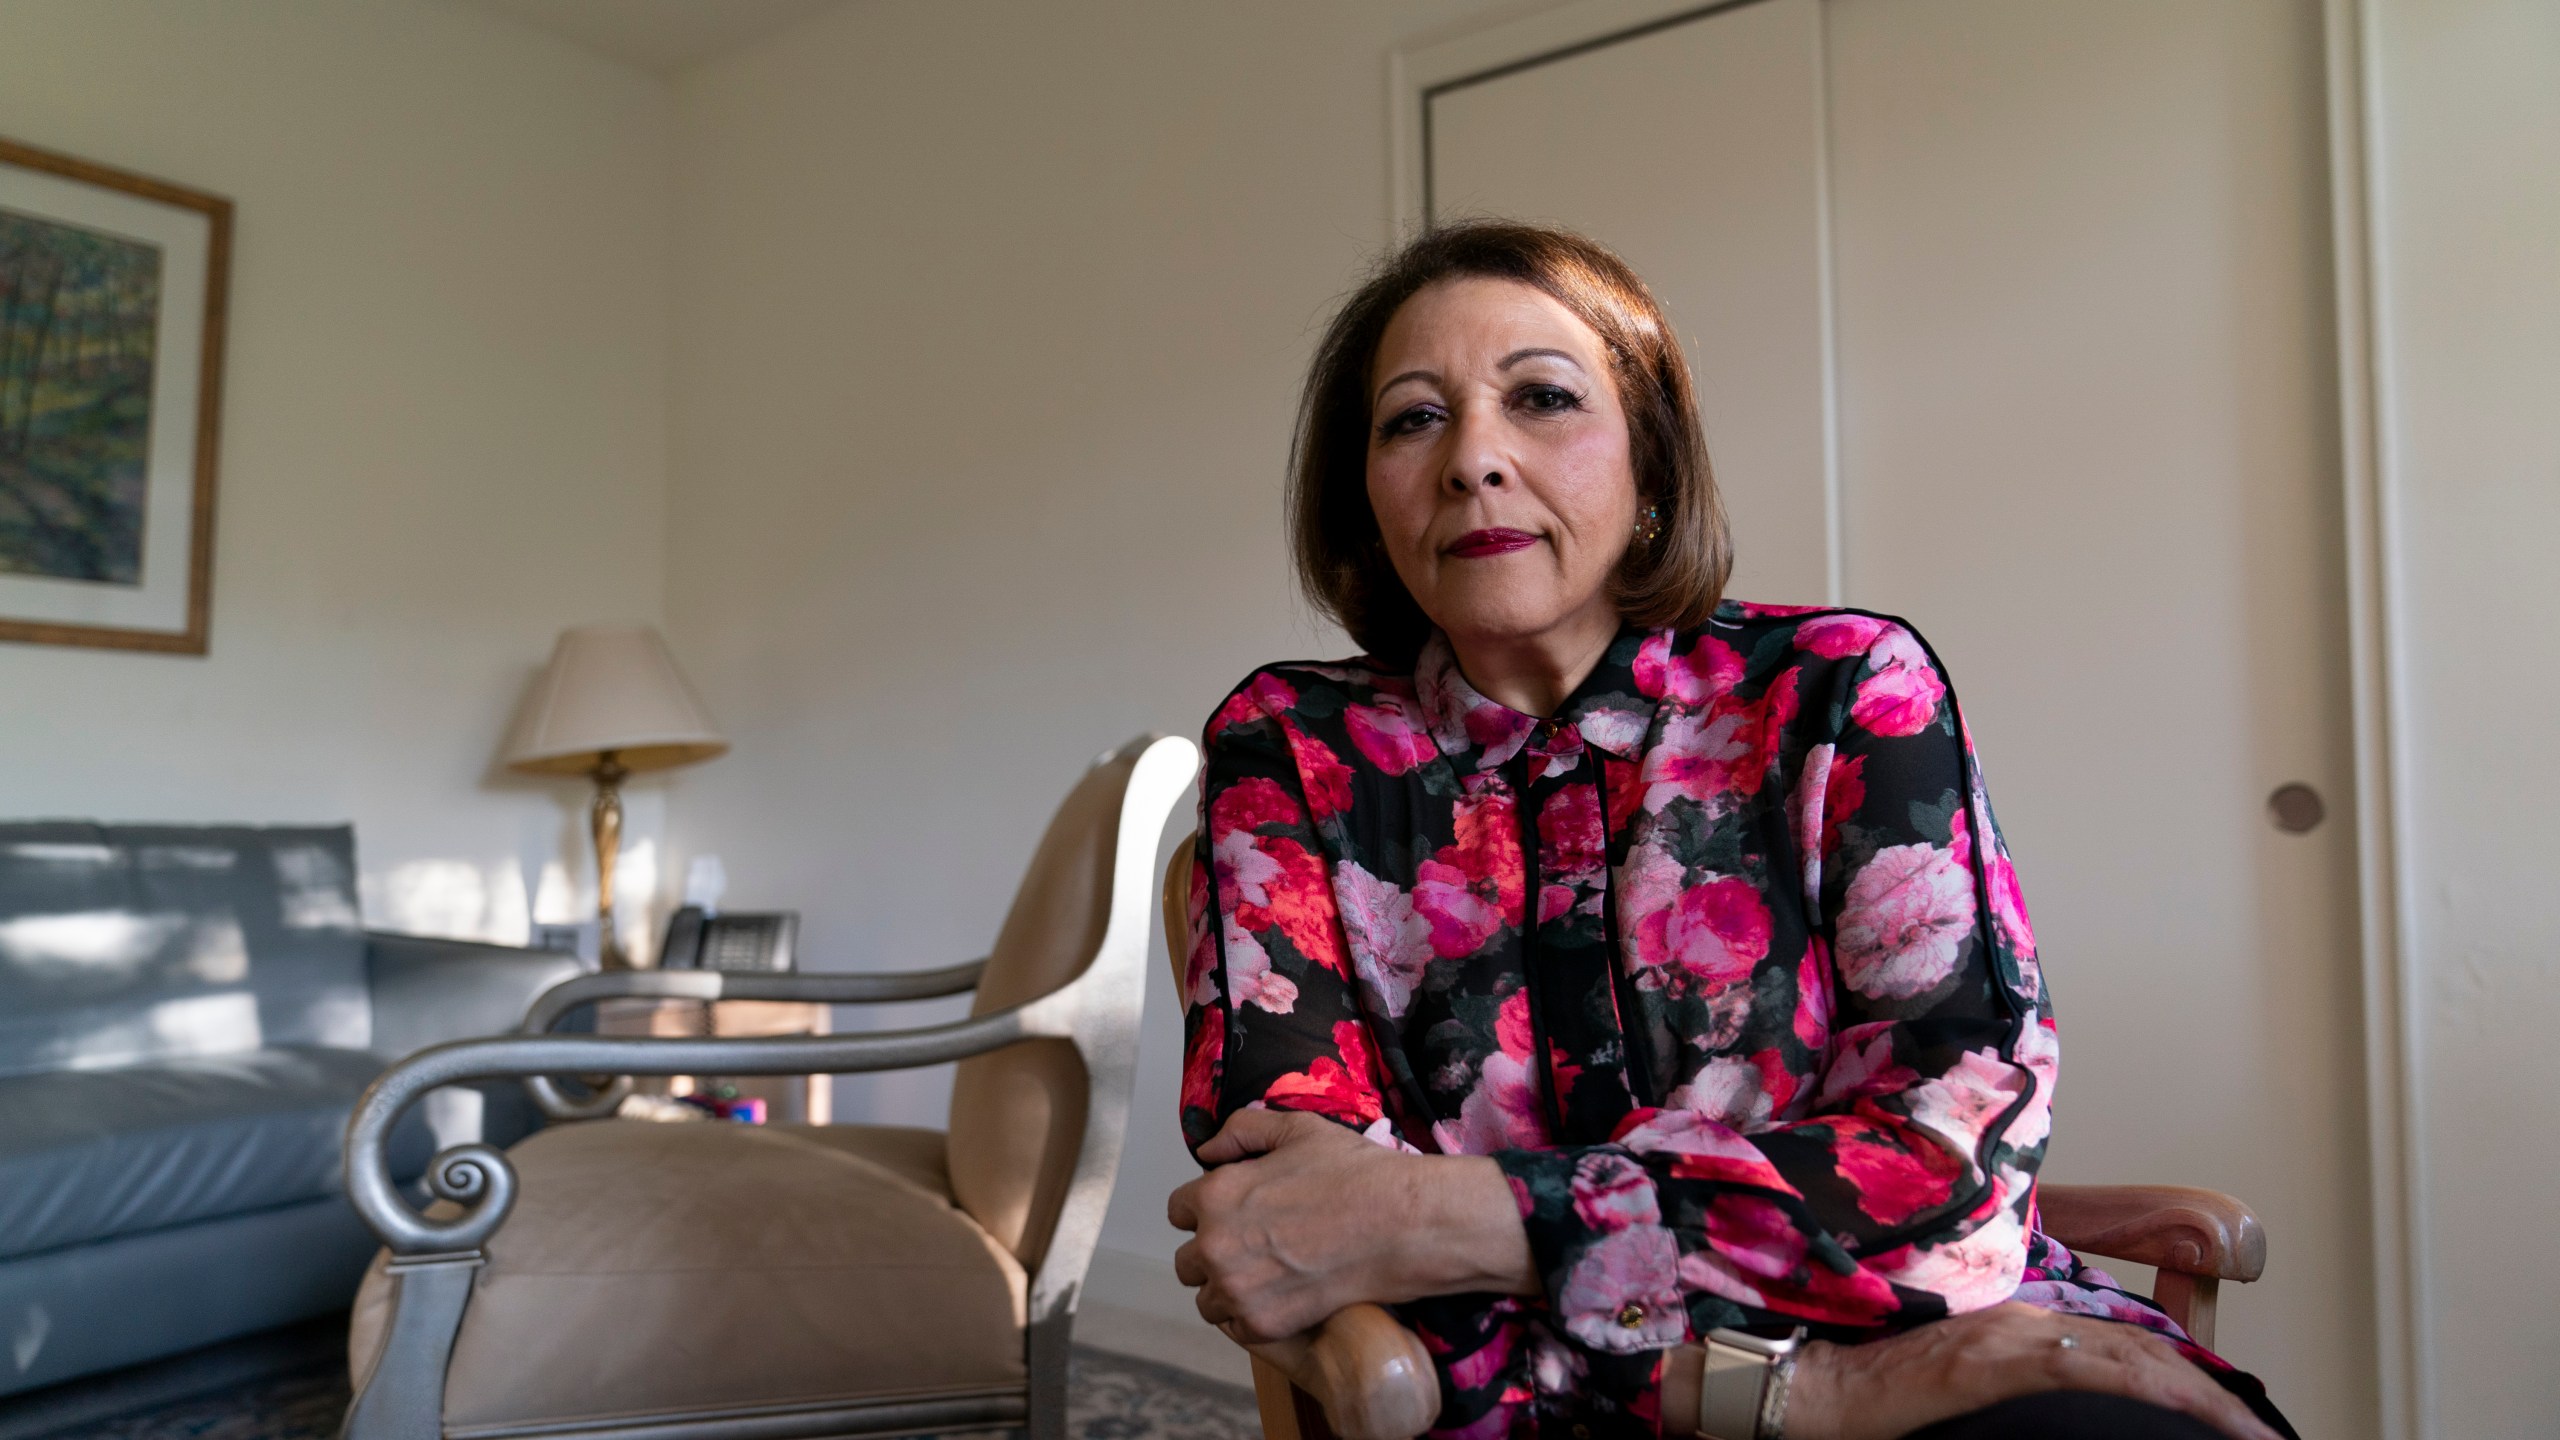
{"type": "Point", "coordinates": [1743, 1394]}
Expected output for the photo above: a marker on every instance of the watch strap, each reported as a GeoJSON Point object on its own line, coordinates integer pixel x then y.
{"type": "Point", "coordinates": [1729, 1392]}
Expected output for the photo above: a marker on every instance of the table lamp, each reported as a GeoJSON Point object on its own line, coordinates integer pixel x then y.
{"type": "Point", "coordinates": [609, 705]}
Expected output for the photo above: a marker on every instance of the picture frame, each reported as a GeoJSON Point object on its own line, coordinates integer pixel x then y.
{"type": "Point", "coordinates": [114, 293]}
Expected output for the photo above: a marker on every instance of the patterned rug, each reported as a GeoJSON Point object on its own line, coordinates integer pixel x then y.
{"type": "Point", "coordinates": [1109, 1397]}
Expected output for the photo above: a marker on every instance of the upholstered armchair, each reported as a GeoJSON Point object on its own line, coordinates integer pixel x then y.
{"type": "Point", "coordinates": [621, 1278]}
{"type": "Point", "coordinates": [1367, 1377]}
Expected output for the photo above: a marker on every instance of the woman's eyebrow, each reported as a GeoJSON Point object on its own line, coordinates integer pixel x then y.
{"type": "Point", "coordinates": [1431, 375]}
{"type": "Point", "coordinates": [1535, 352]}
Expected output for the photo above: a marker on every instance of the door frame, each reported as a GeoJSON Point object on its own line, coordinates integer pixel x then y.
{"type": "Point", "coordinates": [2375, 572]}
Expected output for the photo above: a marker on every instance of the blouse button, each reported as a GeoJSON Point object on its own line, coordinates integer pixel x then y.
{"type": "Point", "coordinates": [1631, 1316]}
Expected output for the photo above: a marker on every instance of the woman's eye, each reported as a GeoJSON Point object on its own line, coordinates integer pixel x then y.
{"type": "Point", "coordinates": [1406, 422]}
{"type": "Point", "coordinates": [1546, 399]}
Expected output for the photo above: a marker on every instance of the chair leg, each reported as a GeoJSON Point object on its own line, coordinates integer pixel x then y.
{"type": "Point", "coordinates": [403, 1399]}
{"type": "Point", "coordinates": [1045, 1356]}
{"type": "Point", "coordinates": [2189, 1300]}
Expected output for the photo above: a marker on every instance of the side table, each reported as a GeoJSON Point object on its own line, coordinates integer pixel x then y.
{"type": "Point", "coordinates": [794, 1099]}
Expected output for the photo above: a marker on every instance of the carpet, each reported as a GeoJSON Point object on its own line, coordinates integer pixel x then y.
{"type": "Point", "coordinates": [303, 1396]}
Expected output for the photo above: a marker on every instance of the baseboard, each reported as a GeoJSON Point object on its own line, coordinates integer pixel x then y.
{"type": "Point", "coordinates": [1133, 1306]}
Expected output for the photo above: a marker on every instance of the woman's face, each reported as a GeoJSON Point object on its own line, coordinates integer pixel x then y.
{"type": "Point", "coordinates": [1499, 465]}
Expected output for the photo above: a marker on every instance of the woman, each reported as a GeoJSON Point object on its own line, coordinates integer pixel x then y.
{"type": "Point", "coordinates": [1595, 963]}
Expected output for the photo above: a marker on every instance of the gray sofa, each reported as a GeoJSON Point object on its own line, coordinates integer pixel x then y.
{"type": "Point", "coordinates": [187, 1015]}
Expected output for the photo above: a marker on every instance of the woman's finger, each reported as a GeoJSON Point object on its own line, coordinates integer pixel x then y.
{"type": "Point", "coordinates": [1188, 1267]}
{"type": "Point", "coordinates": [1182, 1207]}
{"type": "Point", "coordinates": [1247, 1132]}
{"type": "Point", "coordinates": [2123, 1360]}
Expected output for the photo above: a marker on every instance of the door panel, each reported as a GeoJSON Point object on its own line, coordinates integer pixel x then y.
{"type": "Point", "coordinates": [2086, 443]}
{"type": "Point", "coordinates": [1695, 153]}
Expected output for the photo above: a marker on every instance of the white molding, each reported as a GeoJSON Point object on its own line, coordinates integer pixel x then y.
{"type": "Point", "coordinates": [2404, 1371]}
{"type": "Point", "coordinates": [1413, 71]}
{"type": "Point", "coordinates": [1835, 494]}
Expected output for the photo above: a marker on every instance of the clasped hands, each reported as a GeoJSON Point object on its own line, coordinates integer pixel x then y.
{"type": "Point", "coordinates": [1301, 1217]}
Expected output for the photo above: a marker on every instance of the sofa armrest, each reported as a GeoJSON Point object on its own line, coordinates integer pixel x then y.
{"type": "Point", "coordinates": [427, 991]}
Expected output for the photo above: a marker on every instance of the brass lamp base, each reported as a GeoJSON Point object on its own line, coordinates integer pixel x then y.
{"type": "Point", "coordinates": [604, 822]}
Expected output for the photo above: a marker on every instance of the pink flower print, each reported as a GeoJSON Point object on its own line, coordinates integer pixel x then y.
{"type": "Point", "coordinates": [1488, 1362]}
{"type": "Point", "coordinates": [1623, 1293]}
{"type": "Point", "coordinates": [1203, 1058]}
{"type": "Point", "coordinates": [1960, 1105]}
{"type": "Point", "coordinates": [1244, 871]}
{"type": "Point", "coordinates": [1238, 709]}
{"type": "Point", "coordinates": [2041, 1052]}
{"type": "Point", "coordinates": [2008, 902]}
{"type": "Point", "coordinates": [1321, 773]}
{"type": "Point", "coordinates": [1512, 1030]}
{"type": "Point", "coordinates": [1460, 920]}
{"type": "Point", "coordinates": [1753, 1246]}
{"type": "Point", "coordinates": [1620, 731]}
{"type": "Point", "coordinates": [1700, 1148]}
{"type": "Point", "coordinates": [1804, 817]}
{"type": "Point", "coordinates": [1718, 931]}
{"type": "Point", "coordinates": [1898, 701]}
{"type": "Point", "coordinates": [1972, 1273]}
{"type": "Point", "coordinates": [1251, 804]}
{"type": "Point", "coordinates": [1612, 1192]}
{"type": "Point", "coordinates": [1250, 978]}
{"type": "Point", "coordinates": [1709, 669]}
{"type": "Point", "coordinates": [1813, 995]}
{"type": "Point", "coordinates": [1553, 901]}
{"type": "Point", "coordinates": [1904, 922]}
{"type": "Point", "coordinates": [1570, 842]}
{"type": "Point", "coordinates": [1555, 1368]}
{"type": "Point", "coordinates": [1393, 736]}
{"type": "Point", "coordinates": [1390, 941]}
{"type": "Point", "coordinates": [1891, 1183]}
{"type": "Point", "coordinates": [1699, 755]}
{"type": "Point", "coordinates": [1275, 695]}
{"type": "Point", "coordinates": [1862, 1066]}
{"type": "Point", "coordinates": [1503, 1112]}
{"type": "Point", "coordinates": [1836, 636]}
{"type": "Point", "coordinates": [1727, 1090]}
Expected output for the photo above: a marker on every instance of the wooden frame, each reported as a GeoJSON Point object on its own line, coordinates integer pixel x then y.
{"type": "Point", "coordinates": [193, 637]}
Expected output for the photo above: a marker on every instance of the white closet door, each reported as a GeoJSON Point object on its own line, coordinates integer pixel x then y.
{"type": "Point", "coordinates": [2085, 440]}
{"type": "Point", "coordinates": [1695, 153]}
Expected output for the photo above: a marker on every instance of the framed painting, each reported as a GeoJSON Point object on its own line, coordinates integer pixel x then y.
{"type": "Point", "coordinates": [112, 292]}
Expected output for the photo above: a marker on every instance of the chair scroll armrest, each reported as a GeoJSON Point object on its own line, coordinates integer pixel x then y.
{"type": "Point", "coordinates": [710, 985]}
{"type": "Point", "coordinates": [2175, 1228]}
{"type": "Point", "coordinates": [479, 1178]}
{"type": "Point", "coordinates": [1364, 1377]}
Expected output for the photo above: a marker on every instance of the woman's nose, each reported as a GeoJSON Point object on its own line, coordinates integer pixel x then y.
{"type": "Point", "coordinates": [1476, 461]}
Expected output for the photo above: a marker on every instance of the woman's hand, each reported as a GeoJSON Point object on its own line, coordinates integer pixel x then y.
{"type": "Point", "coordinates": [1302, 1217]}
{"type": "Point", "coordinates": [1890, 1387]}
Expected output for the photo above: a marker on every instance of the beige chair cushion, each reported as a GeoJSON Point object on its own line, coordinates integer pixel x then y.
{"type": "Point", "coordinates": [1017, 1115]}
{"type": "Point", "coordinates": [655, 1270]}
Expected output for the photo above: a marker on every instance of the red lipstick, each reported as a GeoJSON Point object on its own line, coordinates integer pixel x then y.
{"type": "Point", "coordinates": [1477, 544]}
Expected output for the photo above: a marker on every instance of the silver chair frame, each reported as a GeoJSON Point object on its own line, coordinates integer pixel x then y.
{"type": "Point", "coordinates": [432, 1261]}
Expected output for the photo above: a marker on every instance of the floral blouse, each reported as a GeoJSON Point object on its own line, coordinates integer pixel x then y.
{"type": "Point", "coordinates": [1724, 965]}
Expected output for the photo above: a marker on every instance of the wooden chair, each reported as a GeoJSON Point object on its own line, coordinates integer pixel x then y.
{"type": "Point", "coordinates": [1371, 1379]}
{"type": "Point", "coordinates": [626, 1280]}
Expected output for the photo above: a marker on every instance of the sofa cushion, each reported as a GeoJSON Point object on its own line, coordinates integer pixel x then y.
{"type": "Point", "coordinates": [90, 1154]}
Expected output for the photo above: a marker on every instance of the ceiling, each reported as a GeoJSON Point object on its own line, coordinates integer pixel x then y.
{"type": "Point", "coordinates": [662, 36]}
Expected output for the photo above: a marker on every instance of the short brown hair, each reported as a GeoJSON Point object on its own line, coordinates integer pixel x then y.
{"type": "Point", "coordinates": [1673, 581]}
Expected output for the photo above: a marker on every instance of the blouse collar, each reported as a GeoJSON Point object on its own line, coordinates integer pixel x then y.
{"type": "Point", "coordinates": [1608, 711]}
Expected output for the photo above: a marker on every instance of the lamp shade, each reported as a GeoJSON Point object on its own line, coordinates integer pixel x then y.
{"type": "Point", "coordinates": [611, 687]}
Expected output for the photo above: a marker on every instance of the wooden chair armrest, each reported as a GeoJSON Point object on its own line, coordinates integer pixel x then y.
{"type": "Point", "coordinates": [2176, 1228]}
{"type": "Point", "coordinates": [1364, 1377]}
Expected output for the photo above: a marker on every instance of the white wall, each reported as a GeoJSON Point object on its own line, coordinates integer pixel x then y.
{"type": "Point", "coordinates": [991, 318]}
{"type": "Point", "coordinates": [2469, 274]}
{"type": "Point", "coordinates": [444, 436]}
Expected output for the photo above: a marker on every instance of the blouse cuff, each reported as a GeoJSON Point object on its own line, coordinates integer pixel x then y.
{"type": "Point", "coordinates": [1610, 1267]}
